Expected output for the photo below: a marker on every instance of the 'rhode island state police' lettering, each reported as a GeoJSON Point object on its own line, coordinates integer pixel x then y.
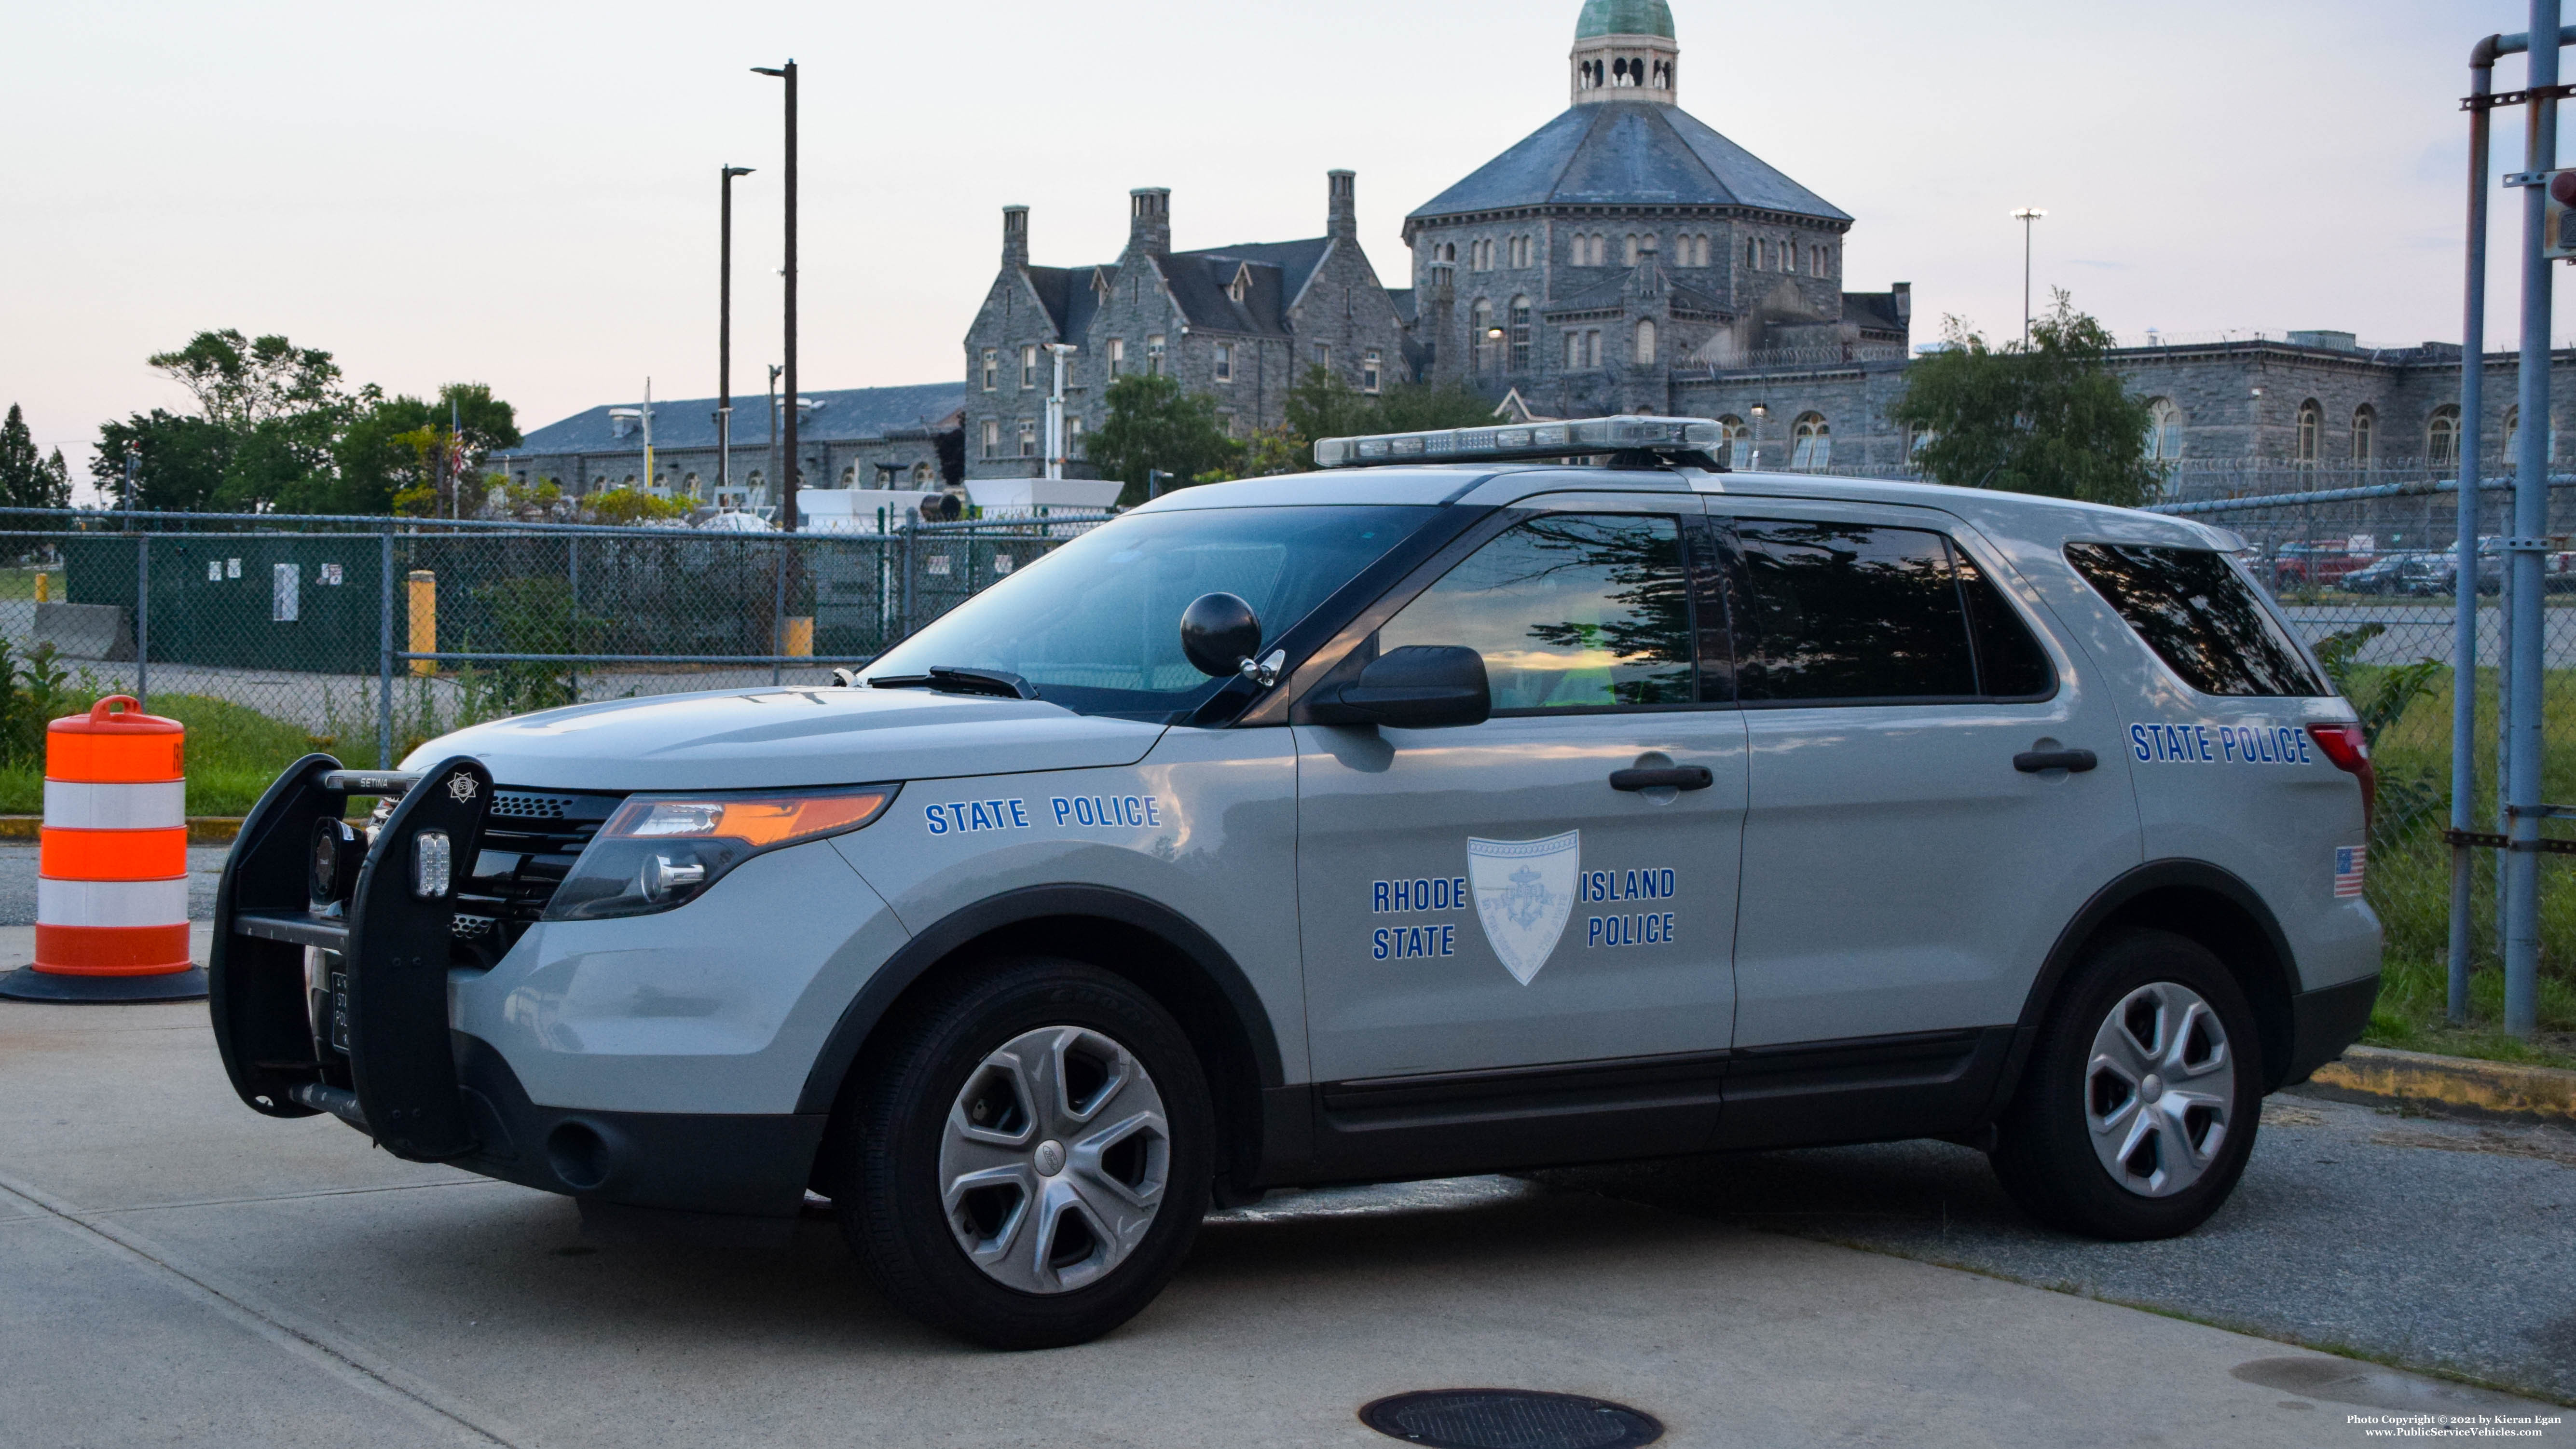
{"type": "Point", "coordinates": [1399, 943]}
{"type": "Point", "coordinates": [972, 815]}
{"type": "Point", "coordinates": [2165, 744]}
{"type": "Point", "coordinates": [1440, 893]}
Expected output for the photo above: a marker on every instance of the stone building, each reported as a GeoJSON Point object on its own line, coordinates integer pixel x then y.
{"type": "Point", "coordinates": [867, 437]}
{"type": "Point", "coordinates": [1624, 256]}
{"type": "Point", "coordinates": [1242, 323]}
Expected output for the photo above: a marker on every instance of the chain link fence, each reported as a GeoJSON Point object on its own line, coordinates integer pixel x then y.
{"type": "Point", "coordinates": [272, 635]}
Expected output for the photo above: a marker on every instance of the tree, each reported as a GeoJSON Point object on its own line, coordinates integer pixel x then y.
{"type": "Point", "coordinates": [2049, 418]}
{"type": "Point", "coordinates": [1153, 424]}
{"type": "Point", "coordinates": [23, 476]}
{"type": "Point", "coordinates": [1323, 405]}
{"type": "Point", "coordinates": [180, 461]}
{"type": "Point", "coordinates": [57, 490]}
{"type": "Point", "coordinates": [239, 382]}
{"type": "Point", "coordinates": [388, 456]}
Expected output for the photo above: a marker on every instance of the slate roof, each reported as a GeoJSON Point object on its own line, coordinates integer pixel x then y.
{"type": "Point", "coordinates": [1279, 271]}
{"type": "Point", "coordinates": [845, 415]}
{"type": "Point", "coordinates": [1624, 17]}
{"type": "Point", "coordinates": [1069, 297]}
{"type": "Point", "coordinates": [1627, 153]}
{"type": "Point", "coordinates": [1873, 309]}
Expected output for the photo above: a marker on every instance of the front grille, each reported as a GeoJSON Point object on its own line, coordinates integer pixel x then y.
{"type": "Point", "coordinates": [530, 840]}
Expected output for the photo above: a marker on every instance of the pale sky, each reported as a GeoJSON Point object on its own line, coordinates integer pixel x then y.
{"type": "Point", "coordinates": [524, 194]}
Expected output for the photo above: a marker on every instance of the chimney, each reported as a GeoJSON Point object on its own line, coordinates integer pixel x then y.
{"type": "Point", "coordinates": [1015, 236]}
{"type": "Point", "coordinates": [1342, 206]}
{"type": "Point", "coordinates": [1149, 220]}
{"type": "Point", "coordinates": [1903, 292]}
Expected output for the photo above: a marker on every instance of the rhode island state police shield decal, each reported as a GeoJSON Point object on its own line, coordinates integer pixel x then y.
{"type": "Point", "coordinates": [1524, 893]}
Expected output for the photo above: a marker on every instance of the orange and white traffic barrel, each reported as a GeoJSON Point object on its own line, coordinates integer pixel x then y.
{"type": "Point", "coordinates": [112, 873]}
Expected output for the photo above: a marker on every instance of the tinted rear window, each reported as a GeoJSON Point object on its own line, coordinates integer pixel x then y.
{"type": "Point", "coordinates": [2199, 617]}
{"type": "Point", "coordinates": [1849, 611]}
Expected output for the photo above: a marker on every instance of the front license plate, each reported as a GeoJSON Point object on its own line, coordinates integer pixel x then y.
{"type": "Point", "coordinates": [340, 1011]}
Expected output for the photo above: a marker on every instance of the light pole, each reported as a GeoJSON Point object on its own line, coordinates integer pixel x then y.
{"type": "Point", "coordinates": [774, 370]}
{"type": "Point", "coordinates": [787, 485]}
{"type": "Point", "coordinates": [2028, 216]}
{"type": "Point", "coordinates": [724, 337]}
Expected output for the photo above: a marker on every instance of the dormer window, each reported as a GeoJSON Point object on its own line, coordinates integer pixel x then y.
{"type": "Point", "coordinates": [1241, 286]}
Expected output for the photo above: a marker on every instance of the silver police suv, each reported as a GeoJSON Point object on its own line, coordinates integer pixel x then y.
{"type": "Point", "coordinates": [1458, 808]}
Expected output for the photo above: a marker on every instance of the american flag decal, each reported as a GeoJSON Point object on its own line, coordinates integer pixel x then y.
{"type": "Point", "coordinates": [2348, 867]}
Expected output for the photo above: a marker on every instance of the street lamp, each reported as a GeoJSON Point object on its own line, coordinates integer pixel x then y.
{"type": "Point", "coordinates": [724, 336]}
{"type": "Point", "coordinates": [1055, 411]}
{"type": "Point", "coordinates": [787, 485]}
{"type": "Point", "coordinates": [2028, 216]}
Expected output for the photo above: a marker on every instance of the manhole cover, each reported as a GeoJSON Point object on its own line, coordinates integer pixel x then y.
{"type": "Point", "coordinates": [1509, 1419]}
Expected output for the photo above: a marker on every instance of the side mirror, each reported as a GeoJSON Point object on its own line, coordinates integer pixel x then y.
{"type": "Point", "coordinates": [1417, 687]}
{"type": "Point", "coordinates": [1218, 633]}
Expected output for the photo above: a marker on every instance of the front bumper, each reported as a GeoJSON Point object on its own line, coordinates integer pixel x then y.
{"type": "Point", "coordinates": [383, 1054]}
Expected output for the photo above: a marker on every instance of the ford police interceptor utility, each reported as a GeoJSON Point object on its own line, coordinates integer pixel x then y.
{"type": "Point", "coordinates": [1459, 811]}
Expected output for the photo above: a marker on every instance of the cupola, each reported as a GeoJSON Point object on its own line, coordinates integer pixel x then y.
{"type": "Point", "coordinates": [1624, 51]}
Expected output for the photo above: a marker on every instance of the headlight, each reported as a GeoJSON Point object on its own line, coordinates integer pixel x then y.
{"type": "Point", "coordinates": [661, 851]}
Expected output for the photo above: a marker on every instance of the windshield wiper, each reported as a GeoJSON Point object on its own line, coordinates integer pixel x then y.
{"type": "Point", "coordinates": [957, 679]}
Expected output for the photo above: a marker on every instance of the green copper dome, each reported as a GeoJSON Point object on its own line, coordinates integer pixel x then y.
{"type": "Point", "coordinates": [1624, 17]}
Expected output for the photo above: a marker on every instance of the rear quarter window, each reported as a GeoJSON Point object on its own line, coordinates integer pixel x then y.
{"type": "Point", "coordinates": [2199, 617]}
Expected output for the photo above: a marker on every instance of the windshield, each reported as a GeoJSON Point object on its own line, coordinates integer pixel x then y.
{"type": "Point", "coordinates": [1096, 625]}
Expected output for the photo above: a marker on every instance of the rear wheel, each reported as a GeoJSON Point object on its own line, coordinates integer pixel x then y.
{"type": "Point", "coordinates": [2137, 1111]}
{"type": "Point", "coordinates": [1028, 1165]}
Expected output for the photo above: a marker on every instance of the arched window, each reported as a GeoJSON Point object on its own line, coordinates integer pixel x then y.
{"type": "Point", "coordinates": [1480, 334]}
{"type": "Point", "coordinates": [1788, 256]}
{"type": "Point", "coordinates": [2164, 430]}
{"type": "Point", "coordinates": [2365, 434]}
{"type": "Point", "coordinates": [1646, 342]}
{"type": "Point", "coordinates": [2512, 436]}
{"type": "Point", "coordinates": [2442, 438]}
{"type": "Point", "coordinates": [1632, 249]}
{"type": "Point", "coordinates": [2312, 420]}
{"type": "Point", "coordinates": [1752, 253]}
{"type": "Point", "coordinates": [921, 471]}
{"type": "Point", "coordinates": [1811, 443]}
{"type": "Point", "coordinates": [849, 476]}
{"type": "Point", "coordinates": [1574, 350]}
{"type": "Point", "coordinates": [1520, 334]}
{"type": "Point", "coordinates": [1739, 441]}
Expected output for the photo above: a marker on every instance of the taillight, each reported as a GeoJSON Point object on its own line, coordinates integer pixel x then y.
{"type": "Point", "coordinates": [2350, 750]}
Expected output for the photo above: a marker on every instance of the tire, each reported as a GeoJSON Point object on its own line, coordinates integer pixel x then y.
{"type": "Point", "coordinates": [2078, 1154]}
{"type": "Point", "coordinates": [1051, 1115]}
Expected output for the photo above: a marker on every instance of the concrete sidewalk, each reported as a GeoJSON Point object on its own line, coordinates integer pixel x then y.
{"type": "Point", "coordinates": [174, 1268]}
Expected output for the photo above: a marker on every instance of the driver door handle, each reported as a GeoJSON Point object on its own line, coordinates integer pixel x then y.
{"type": "Point", "coordinates": [2076, 762]}
{"type": "Point", "coordinates": [1679, 777]}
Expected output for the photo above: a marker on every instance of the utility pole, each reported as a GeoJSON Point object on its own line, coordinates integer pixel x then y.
{"type": "Point", "coordinates": [724, 337]}
{"type": "Point", "coordinates": [2028, 216]}
{"type": "Point", "coordinates": [1055, 411]}
{"type": "Point", "coordinates": [774, 370]}
{"type": "Point", "coordinates": [787, 485]}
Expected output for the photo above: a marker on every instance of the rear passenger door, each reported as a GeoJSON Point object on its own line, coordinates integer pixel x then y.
{"type": "Point", "coordinates": [1901, 874]}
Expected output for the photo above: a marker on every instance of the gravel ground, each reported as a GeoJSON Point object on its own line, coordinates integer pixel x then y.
{"type": "Point", "coordinates": [2428, 1243]}
{"type": "Point", "coordinates": [18, 882]}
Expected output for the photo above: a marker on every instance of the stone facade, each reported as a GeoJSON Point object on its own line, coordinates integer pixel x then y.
{"type": "Point", "coordinates": [1240, 323]}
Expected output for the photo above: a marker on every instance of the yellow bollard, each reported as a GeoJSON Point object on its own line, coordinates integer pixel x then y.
{"type": "Point", "coordinates": [424, 620]}
{"type": "Point", "coordinates": [44, 591]}
{"type": "Point", "coordinates": [800, 637]}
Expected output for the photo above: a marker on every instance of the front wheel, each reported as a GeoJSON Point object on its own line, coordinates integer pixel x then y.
{"type": "Point", "coordinates": [2138, 1107]}
{"type": "Point", "coordinates": [1028, 1165]}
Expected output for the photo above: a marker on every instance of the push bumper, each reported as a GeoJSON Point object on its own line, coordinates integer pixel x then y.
{"type": "Point", "coordinates": [346, 1012]}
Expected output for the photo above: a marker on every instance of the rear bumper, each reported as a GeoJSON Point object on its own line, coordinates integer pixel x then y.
{"type": "Point", "coordinates": [2324, 1022]}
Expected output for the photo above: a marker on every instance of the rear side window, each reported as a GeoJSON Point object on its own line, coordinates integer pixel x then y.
{"type": "Point", "coordinates": [2199, 617]}
{"type": "Point", "coordinates": [1840, 611]}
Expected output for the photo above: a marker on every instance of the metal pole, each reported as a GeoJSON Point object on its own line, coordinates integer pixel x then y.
{"type": "Point", "coordinates": [572, 612]}
{"type": "Point", "coordinates": [2464, 622]}
{"type": "Point", "coordinates": [2523, 548]}
{"type": "Point", "coordinates": [787, 485]}
{"type": "Point", "coordinates": [143, 621]}
{"type": "Point", "coordinates": [774, 370]}
{"type": "Point", "coordinates": [724, 337]}
{"type": "Point", "coordinates": [385, 656]}
{"type": "Point", "coordinates": [778, 608]}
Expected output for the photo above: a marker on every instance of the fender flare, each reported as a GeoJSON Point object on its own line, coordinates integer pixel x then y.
{"type": "Point", "coordinates": [933, 945]}
{"type": "Point", "coordinates": [2107, 902]}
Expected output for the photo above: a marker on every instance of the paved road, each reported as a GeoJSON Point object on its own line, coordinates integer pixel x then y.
{"type": "Point", "coordinates": [175, 1269]}
{"type": "Point", "coordinates": [2433, 1243]}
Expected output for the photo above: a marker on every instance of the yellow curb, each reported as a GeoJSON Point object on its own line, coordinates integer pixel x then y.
{"type": "Point", "coordinates": [2459, 1084]}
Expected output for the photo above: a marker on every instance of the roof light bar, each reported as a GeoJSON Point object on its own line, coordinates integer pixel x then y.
{"type": "Point", "coordinates": [1571, 438]}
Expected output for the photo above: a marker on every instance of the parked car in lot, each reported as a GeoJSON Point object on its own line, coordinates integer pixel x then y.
{"type": "Point", "coordinates": [2403, 575]}
{"type": "Point", "coordinates": [1449, 810]}
{"type": "Point", "coordinates": [2313, 564]}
